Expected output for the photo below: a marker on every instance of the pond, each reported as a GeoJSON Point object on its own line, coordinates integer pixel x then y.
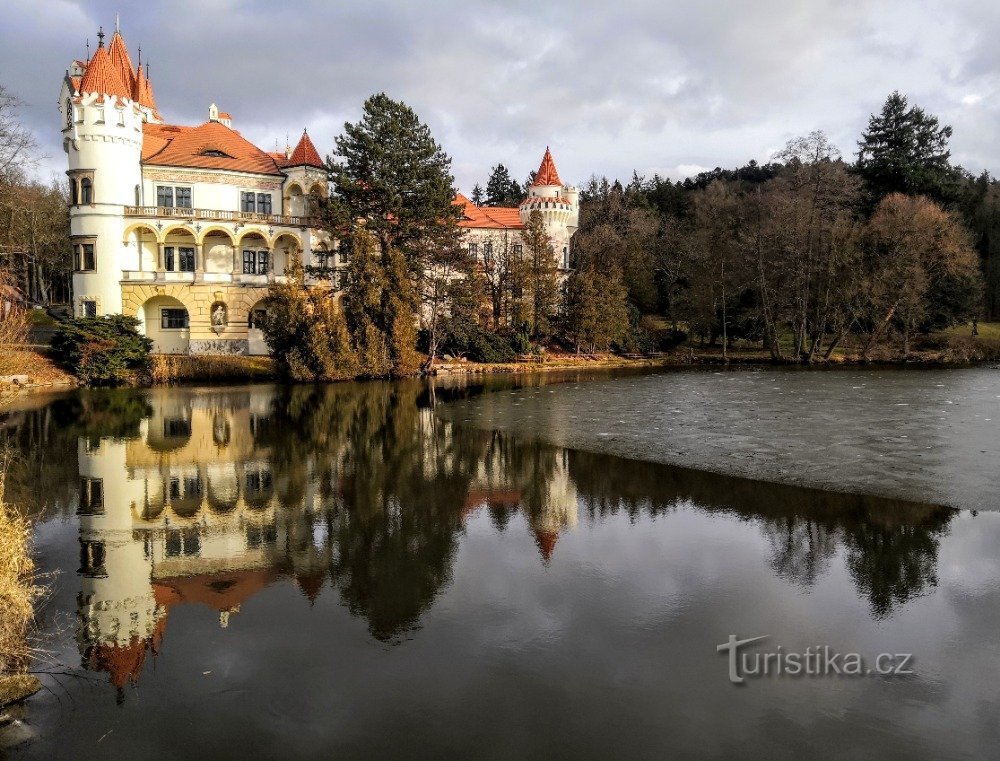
{"type": "Point", "coordinates": [531, 567]}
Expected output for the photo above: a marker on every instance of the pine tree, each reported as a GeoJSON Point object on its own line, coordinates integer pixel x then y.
{"type": "Point", "coordinates": [596, 308]}
{"type": "Point", "coordinates": [477, 195]}
{"type": "Point", "coordinates": [501, 189]}
{"type": "Point", "coordinates": [393, 177]}
{"type": "Point", "coordinates": [543, 274]}
{"type": "Point", "coordinates": [905, 150]}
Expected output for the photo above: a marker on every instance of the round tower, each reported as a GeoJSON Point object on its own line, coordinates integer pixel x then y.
{"type": "Point", "coordinates": [558, 204]}
{"type": "Point", "coordinates": [102, 137]}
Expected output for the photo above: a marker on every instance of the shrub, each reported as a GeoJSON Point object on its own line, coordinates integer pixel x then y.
{"type": "Point", "coordinates": [102, 351]}
{"type": "Point", "coordinates": [465, 338]}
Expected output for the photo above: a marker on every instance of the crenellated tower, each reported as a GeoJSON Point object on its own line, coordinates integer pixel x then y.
{"type": "Point", "coordinates": [103, 105]}
{"type": "Point", "coordinates": [558, 204]}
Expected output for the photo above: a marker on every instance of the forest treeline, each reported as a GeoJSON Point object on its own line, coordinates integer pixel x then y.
{"type": "Point", "coordinates": [811, 248]}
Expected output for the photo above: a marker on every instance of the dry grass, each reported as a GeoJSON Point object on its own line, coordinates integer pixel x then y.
{"type": "Point", "coordinates": [18, 588]}
{"type": "Point", "coordinates": [170, 368]}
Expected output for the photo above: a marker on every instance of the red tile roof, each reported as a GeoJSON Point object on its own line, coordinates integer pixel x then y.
{"type": "Point", "coordinates": [488, 217]}
{"type": "Point", "coordinates": [102, 76]}
{"type": "Point", "coordinates": [170, 145]}
{"type": "Point", "coordinates": [305, 153]}
{"type": "Point", "coordinates": [142, 91]}
{"type": "Point", "coordinates": [121, 61]}
{"type": "Point", "coordinates": [547, 174]}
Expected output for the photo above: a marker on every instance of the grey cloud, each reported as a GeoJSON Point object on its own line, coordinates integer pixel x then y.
{"type": "Point", "coordinates": [611, 87]}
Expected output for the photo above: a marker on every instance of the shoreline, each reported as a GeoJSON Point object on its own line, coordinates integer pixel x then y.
{"type": "Point", "coordinates": [168, 370]}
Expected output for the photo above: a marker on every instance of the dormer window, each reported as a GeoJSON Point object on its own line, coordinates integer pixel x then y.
{"type": "Point", "coordinates": [215, 153]}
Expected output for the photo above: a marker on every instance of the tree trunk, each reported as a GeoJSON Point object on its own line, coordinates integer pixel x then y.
{"type": "Point", "coordinates": [877, 332]}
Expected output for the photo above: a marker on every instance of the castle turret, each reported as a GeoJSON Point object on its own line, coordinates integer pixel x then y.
{"type": "Point", "coordinates": [102, 136]}
{"type": "Point", "coordinates": [558, 204]}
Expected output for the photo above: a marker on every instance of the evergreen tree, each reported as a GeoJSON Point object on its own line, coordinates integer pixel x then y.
{"type": "Point", "coordinates": [502, 189]}
{"type": "Point", "coordinates": [596, 308]}
{"type": "Point", "coordinates": [543, 274]}
{"type": "Point", "coordinates": [905, 150]}
{"type": "Point", "coordinates": [393, 179]}
{"type": "Point", "coordinates": [477, 195]}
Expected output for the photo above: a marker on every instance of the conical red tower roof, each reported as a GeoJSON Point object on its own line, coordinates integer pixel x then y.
{"type": "Point", "coordinates": [102, 76]}
{"type": "Point", "coordinates": [121, 60]}
{"type": "Point", "coordinates": [547, 174]}
{"type": "Point", "coordinates": [305, 153]}
{"type": "Point", "coordinates": [142, 91]}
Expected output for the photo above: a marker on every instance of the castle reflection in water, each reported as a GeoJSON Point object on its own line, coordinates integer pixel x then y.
{"type": "Point", "coordinates": [361, 493]}
{"type": "Point", "coordinates": [215, 494]}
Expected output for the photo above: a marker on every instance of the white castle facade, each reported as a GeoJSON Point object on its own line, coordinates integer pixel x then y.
{"type": "Point", "coordinates": [186, 227]}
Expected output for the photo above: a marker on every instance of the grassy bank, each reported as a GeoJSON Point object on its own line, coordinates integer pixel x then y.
{"type": "Point", "coordinates": [170, 368]}
{"type": "Point", "coordinates": [18, 594]}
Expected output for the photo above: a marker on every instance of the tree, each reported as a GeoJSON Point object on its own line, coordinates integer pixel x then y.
{"type": "Point", "coordinates": [306, 331]}
{"type": "Point", "coordinates": [905, 150]}
{"type": "Point", "coordinates": [501, 189]}
{"type": "Point", "coordinates": [102, 351]}
{"type": "Point", "coordinates": [543, 274]}
{"type": "Point", "coordinates": [477, 195]}
{"type": "Point", "coordinates": [16, 142]}
{"type": "Point", "coordinates": [393, 179]}
{"type": "Point", "coordinates": [596, 308]}
{"type": "Point", "coordinates": [912, 246]}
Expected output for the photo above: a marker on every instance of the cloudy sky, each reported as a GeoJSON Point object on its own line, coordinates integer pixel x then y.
{"type": "Point", "coordinates": [655, 86]}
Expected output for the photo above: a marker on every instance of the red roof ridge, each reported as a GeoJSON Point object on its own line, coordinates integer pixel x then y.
{"type": "Point", "coordinates": [547, 174]}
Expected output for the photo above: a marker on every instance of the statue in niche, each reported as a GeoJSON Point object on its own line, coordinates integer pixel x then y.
{"type": "Point", "coordinates": [220, 316]}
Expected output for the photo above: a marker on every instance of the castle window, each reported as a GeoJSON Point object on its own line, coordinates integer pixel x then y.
{"type": "Point", "coordinates": [173, 319]}
{"type": "Point", "coordinates": [165, 198]}
{"type": "Point", "coordinates": [185, 256]}
{"type": "Point", "coordinates": [182, 197]}
{"type": "Point", "coordinates": [255, 262]}
{"type": "Point", "coordinates": [138, 196]}
{"type": "Point", "coordinates": [566, 257]}
{"type": "Point", "coordinates": [69, 113]}
{"type": "Point", "coordinates": [488, 252]}
{"type": "Point", "coordinates": [84, 256]}
{"type": "Point", "coordinates": [74, 196]}
{"type": "Point", "coordinates": [518, 250]}
{"type": "Point", "coordinates": [248, 202]}
{"type": "Point", "coordinates": [474, 250]}
{"type": "Point", "coordinates": [86, 191]}
{"type": "Point", "coordinates": [264, 203]}
{"type": "Point", "coordinates": [215, 153]}
{"type": "Point", "coordinates": [88, 308]}
{"type": "Point", "coordinates": [181, 542]}
{"type": "Point", "coordinates": [168, 258]}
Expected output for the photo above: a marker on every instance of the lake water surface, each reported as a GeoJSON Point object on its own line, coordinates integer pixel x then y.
{"type": "Point", "coordinates": [466, 570]}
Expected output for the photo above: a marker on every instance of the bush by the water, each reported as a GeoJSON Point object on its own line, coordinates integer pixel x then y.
{"type": "Point", "coordinates": [103, 351]}
{"type": "Point", "coordinates": [465, 338]}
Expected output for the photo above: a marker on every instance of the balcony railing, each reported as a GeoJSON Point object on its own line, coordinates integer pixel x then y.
{"type": "Point", "coordinates": [217, 215]}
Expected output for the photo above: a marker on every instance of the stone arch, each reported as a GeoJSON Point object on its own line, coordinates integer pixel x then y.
{"type": "Point", "coordinates": [256, 345]}
{"type": "Point", "coordinates": [216, 229]}
{"type": "Point", "coordinates": [136, 226]}
{"type": "Point", "coordinates": [248, 231]}
{"type": "Point", "coordinates": [294, 200]}
{"type": "Point", "coordinates": [161, 319]}
{"type": "Point", "coordinates": [218, 245]}
{"type": "Point", "coordinates": [284, 246]}
{"type": "Point", "coordinates": [178, 227]}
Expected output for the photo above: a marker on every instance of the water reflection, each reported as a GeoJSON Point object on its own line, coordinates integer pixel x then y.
{"type": "Point", "coordinates": [205, 497]}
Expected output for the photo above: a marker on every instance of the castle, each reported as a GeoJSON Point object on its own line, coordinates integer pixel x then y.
{"type": "Point", "coordinates": [186, 227]}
